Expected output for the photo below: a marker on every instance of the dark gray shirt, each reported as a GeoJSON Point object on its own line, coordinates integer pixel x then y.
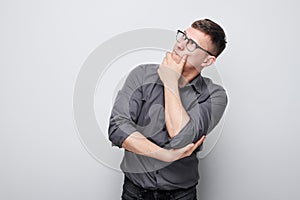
{"type": "Point", "coordinates": [139, 106]}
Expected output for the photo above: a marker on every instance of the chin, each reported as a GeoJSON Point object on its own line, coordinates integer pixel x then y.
{"type": "Point", "coordinates": [189, 66]}
{"type": "Point", "coordinates": [176, 57]}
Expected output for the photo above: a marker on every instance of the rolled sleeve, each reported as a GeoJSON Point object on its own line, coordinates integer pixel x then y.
{"type": "Point", "coordinates": [204, 117]}
{"type": "Point", "coordinates": [126, 108]}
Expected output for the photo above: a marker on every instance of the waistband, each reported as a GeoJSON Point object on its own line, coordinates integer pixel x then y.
{"type": "Point", "coordinates": [139, 189]}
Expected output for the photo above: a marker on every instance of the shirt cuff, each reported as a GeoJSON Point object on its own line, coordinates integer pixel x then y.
{"type": "Point", "coordinates": [118, 136]}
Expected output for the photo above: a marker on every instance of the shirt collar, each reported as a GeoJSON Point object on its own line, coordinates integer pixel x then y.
{"type": "Point", "coordinates": [196, 82]}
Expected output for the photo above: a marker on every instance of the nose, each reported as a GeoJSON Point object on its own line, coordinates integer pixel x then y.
{"type": "Point", "coordinates": [180, 45]}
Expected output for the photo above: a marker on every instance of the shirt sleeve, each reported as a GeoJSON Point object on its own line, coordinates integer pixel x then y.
{"type": "Point", "coordinates": [204, 116]}
{"type": "Point", "coordinates": [126, 108]}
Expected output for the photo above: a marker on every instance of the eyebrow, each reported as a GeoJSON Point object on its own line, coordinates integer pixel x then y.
{"type": "Point", "coordinates": [191, 38]}
{"type": "Point", "coordinates": [198, 44]}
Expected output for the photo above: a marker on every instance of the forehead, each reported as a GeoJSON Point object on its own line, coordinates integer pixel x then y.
{"type": "Point", "coordinates": [198, 36]}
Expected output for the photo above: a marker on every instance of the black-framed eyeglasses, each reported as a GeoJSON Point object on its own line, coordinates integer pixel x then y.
{"type": "Point", "coordinates": [191, 45]}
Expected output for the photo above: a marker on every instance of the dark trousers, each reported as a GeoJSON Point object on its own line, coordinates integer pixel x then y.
{"type": "Point", "coordinates": [133, 192]}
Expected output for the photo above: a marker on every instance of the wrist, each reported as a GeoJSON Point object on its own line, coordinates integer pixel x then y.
{"type": "Point", "coordinates": [165, 155]}
{"type": "Point", "coordinates": [171, 89]}
{"type": "Point", "coordinates": [168, 155]}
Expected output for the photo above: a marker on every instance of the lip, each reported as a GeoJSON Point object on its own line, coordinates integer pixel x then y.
{"type": "Point", "coordinates": [177, 54]}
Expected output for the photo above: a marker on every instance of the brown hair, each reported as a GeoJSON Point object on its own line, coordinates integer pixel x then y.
{"type": "Point", "coordinates": [216, 33]}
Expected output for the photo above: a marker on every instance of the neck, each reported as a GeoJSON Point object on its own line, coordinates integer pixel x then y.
{"type": "Point", "coordinates": [188, 74]}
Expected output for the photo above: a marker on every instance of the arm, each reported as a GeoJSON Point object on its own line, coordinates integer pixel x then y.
{"type": "Point", "coordinates": [186, 126]}
{"type": "Point", "coordinates": [205, 113]}
{"type": "Point", "coordinates": [138, 144]}
{"type": "Point", "coordinates": [122, 128]}
{"type": "Point", "coordinates": [175, 114]}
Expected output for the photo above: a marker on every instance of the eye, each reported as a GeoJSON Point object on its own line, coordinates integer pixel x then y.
{"type": "Point", "coordinates": [184, 35]}
{"type": "Point", "coordinates": [191, 45]}
{"type": "Point", "coordinates": [181, 36]}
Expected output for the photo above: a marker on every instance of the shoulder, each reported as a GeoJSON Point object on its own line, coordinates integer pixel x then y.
{"type": "Point", "coordinates": [145, 68]}
{"type": "Point", "coordinates": [217, 92]}
{"type": "Point", "coordinates": [144, 72]}
{"type": "Point", "coordinates": [140, 75]}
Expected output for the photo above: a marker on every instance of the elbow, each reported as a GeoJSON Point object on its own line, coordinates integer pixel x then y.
{"type": "Point", "coordinates": [172, 131]}
{"type": "Point", "coordinates": [172, 134]}
{"type": "Point", "coordinates": [117, 134]}
{"type": "Point", "coordinates": [112, 139]}
{"type": "Point", "coordinates": [115, 137]}
{"type": "Point", "coordinates": [175, 129]}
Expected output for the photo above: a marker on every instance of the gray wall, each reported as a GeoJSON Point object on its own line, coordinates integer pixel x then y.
{"type": "Point", "coordinates": [45, 43]}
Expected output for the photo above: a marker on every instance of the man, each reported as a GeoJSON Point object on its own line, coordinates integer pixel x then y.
{"type": "Point", "coordinates": [162, 114]}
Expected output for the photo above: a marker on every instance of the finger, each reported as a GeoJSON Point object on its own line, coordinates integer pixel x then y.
{"type": "Point", "coordinates": [172, 59]}
{"type": "Point", "coordinates": [187, 148]}
{"type": "Point", "coordinates": [168, 56]}
{"type": "Point", "coordinates": [199, 142]}
{"type": "Point", "coordinates": [164, 62]}
{"type": "Point", "coordinates": [183, 60]}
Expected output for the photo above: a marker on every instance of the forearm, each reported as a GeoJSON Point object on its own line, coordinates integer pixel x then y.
{"type": "Point", "coordinates": [170, 72]}
{"type": "Point", "coordinates": [176, 116]}
{"type": "Point", "coordinates": [139, 144]}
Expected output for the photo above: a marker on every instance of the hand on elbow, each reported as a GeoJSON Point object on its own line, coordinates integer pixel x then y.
{"type": "Point", "coordinates": [176, 154]}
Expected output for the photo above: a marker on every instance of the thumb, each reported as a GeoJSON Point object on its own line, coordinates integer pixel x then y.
{"type": "Point", "coordinates": [188, 147]}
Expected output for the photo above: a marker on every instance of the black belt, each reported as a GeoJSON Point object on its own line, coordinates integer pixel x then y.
{"type": "Point", "coordinates": [156, 192]}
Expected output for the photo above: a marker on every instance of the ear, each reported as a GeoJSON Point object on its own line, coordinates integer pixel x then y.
{"type": "Point", "coordinates": [209, 60]}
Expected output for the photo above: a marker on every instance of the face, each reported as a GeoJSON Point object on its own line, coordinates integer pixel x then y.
{"type": "Point", "coordinates": [198, 58]}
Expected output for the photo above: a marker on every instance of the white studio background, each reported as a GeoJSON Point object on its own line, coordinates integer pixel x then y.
{"type": "Point", "coordinates": [45, 43]}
